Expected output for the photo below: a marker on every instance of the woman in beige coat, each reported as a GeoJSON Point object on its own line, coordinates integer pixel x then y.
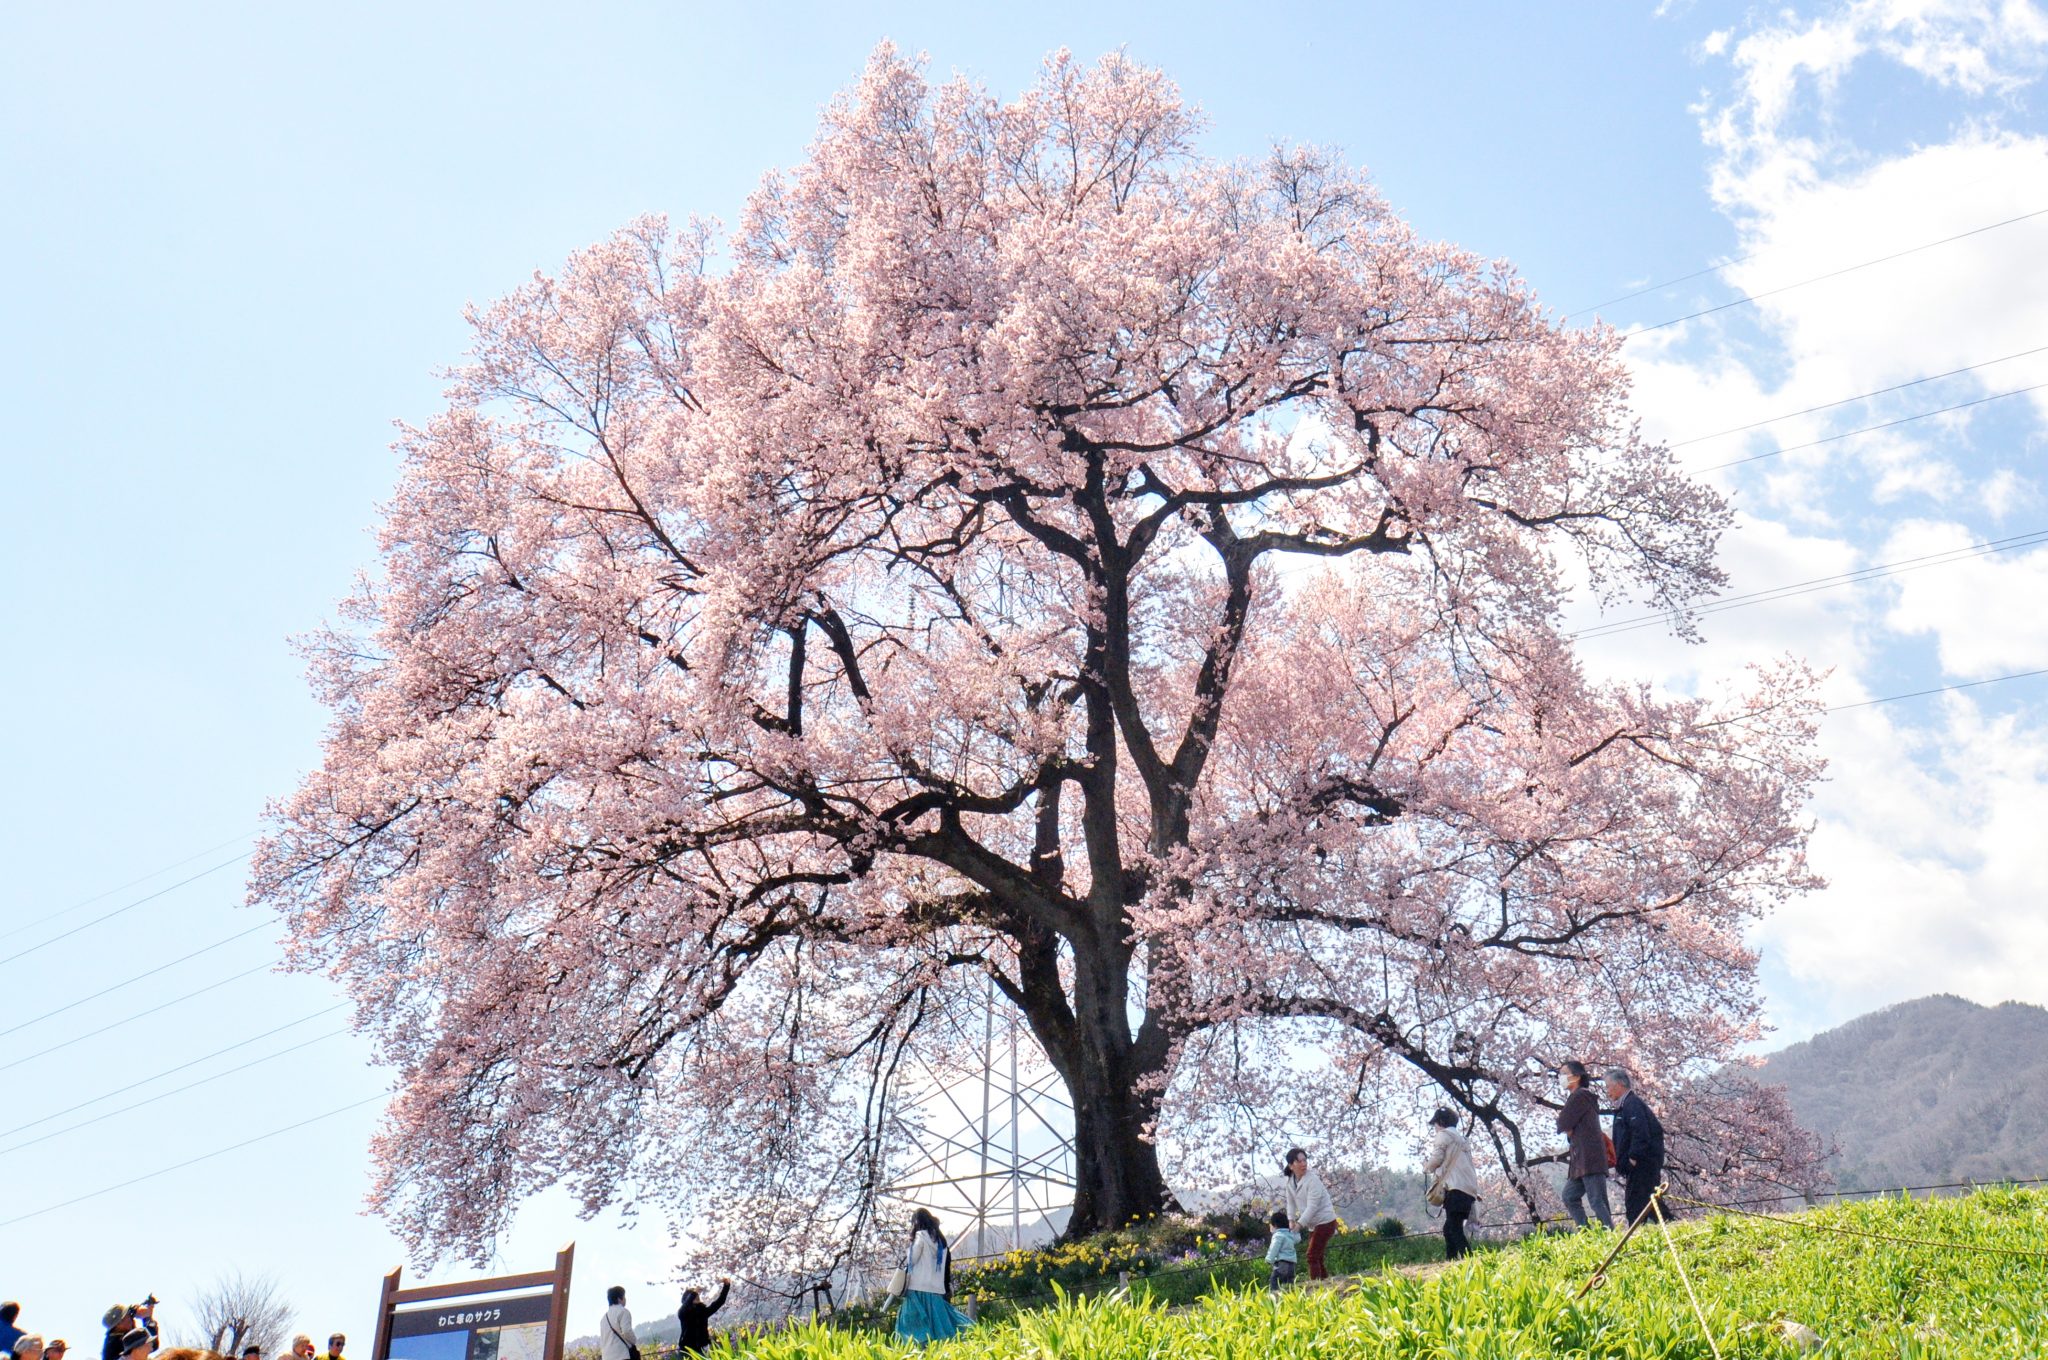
{"type": "Point", "coordinates": [1310, 1211]}
{"type": "Point", "coordinates": [1449, 1164]}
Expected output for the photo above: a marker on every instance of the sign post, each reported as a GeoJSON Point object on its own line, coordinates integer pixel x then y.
{"type": "Point", "coordinates": [507, 1317]}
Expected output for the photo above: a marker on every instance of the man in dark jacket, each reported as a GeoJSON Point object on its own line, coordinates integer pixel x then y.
{"type": "Point", "coordinates": [1585, 1167]}
{"type": "Point", "coordinates": [1638, 1142]}
{"type": "Point", "coordinates": [696, 1317]}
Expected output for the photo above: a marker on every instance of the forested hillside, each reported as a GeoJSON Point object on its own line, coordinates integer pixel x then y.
{"type": "Point", "coordinates": [1926, 1092]}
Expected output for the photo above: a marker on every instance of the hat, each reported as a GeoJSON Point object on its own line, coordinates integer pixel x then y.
{"type": "Point", "coordinates": [113, 1315]}
{"type": "Point", "coordinates": [251, 1349]}
{"type": "Point", "coordinates": [137, 1339]}
{"type": "Point", "coordinates": [57, 1345]}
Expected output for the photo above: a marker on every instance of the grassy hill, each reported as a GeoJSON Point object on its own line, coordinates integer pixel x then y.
{"type": "Point", "coordinates": [1866, 1299]}
{"type": "Point", "coordinates": [1926, 1092]}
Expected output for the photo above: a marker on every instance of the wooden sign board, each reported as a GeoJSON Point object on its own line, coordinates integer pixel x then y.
{"type": "Point", "coordinates": [507, 1317]}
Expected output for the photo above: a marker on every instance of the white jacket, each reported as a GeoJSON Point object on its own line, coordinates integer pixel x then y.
{"type": "Point", "coordinates": [1307, 1202]}
{"type": "Point", "coordinates": [1450, 1160]}
{"type": "Point", "coordinates": [925, 1265]}
{"type": "Point", "coordinates": [615, 1333]}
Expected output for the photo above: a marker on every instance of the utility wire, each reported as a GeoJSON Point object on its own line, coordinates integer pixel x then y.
{"type": "Point", "coordinates": [122, 887]}
{"type": "Point", "coordinates": [1837, 273]}
{"type": "Point", "coordinates": [90, 997]}
{"type": "Point", "coordinates": [1878, 571]}
{"type": "Point", "coordinates": [22, 954]}
{"type": "Point", "coordinates": [1939, 689]}
{"type": "Point", "coordinates": [1717, 268]}
{"type": "Point", "coordinates": [1668, 283]}
{"type": "Point", "coordinates": [190, 1161]}
{"type": "Point", "coordinates": [170, 1071]}
{"type": "Point", "coordinates": [139, 1015]}
{"type": "Point", "coordinates": [166, 1095]}
{"type": "Point", "coordinates": [1881, 425]}
{"type": "Point", "coordinates": [1860, 396]}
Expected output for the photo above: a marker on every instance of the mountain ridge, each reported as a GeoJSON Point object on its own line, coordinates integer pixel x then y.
{"type": "Point", "coordinates": [1931, 1091]}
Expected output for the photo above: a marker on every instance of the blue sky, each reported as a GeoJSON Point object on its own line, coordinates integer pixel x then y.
{"type": "Point", "coordinates": [243, 239]}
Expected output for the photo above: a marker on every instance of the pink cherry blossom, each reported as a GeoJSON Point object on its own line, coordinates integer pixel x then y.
{"type": "Point", "coordinates": [1031, 552]}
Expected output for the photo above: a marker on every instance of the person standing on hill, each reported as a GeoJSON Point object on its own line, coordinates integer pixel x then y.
{"type": "Point", "coordinates": [1449, 1164]}
{"type": "Point", "coordinates": [926, 1283]}
{"type": "Point", "coordinates": [1280, 1251]}
{"type": "Point", "coordinates": [615, 1328]}
{"type": "Point", "coordinates": [1310, 1211]}
{"type": "Point", "coordinates": [695, 1317]}
{"type": "Point", "coordinates": [1585, 1168]}
{"type": "Point", "coordinates": [1638, 1142]}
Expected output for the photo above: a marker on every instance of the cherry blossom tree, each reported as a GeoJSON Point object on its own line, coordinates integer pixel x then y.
{"type": "Point", "coordinates": [1031, 554]}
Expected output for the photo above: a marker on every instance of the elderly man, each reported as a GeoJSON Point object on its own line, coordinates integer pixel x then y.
{"type": "Point", "coordinates": [1638, 1142]}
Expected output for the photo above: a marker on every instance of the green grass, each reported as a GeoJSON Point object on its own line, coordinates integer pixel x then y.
{"type": "Point", "coordinates": [1866, 1299]}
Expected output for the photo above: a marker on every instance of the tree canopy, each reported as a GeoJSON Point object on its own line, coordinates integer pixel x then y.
{"type": "Point", "coordinates": [1034, 553]}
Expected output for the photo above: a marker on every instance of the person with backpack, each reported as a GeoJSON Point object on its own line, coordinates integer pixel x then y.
{"type": "Point", "coordinates": [695, 1317]}
{"type": "Point", "coordinates": [925, 1281]}
{"type": "Point", "coordinates": [1454, 1181]}
{"type": "Point", "coordinates": [1586, 1164]}
{"type": "Point", "coordinates": [1638, 1142]}
{"type": "Point", "coordinates": [615, 1328]}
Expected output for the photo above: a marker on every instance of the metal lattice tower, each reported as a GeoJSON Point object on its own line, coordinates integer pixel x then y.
{"type": "Point", "coordinates": [988, 1144]}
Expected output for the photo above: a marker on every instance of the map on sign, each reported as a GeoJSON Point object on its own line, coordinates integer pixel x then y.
{"type": "Point", "coordinates": [513, 1328]}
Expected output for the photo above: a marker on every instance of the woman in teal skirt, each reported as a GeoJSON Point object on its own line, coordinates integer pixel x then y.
{"type": "Point", "coordinates": [928, 1313]}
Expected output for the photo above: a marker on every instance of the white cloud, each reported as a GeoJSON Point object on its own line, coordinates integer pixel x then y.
{"type": "Point", "coordinates": [1929, 825]}
{"type": "Point", "coordinates": [1988, 615]}
{"type": "Point", "coordinates": [1929, 834]}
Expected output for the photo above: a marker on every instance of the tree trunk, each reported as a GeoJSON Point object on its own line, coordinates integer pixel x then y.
{"type": "Point", "coordinates": [1106, 1068]}
{"type": "Point", "coordinates": [1116, 1170]}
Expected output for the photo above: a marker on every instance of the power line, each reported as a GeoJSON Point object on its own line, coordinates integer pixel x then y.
{"type": "Point", "coordinates": [1861, 396]}
{"type": "Point", "coordinates": [1837, 273]}
{"type": "Point", "coordinates": [1797, 588]}
{"type": "Point", "coordinates": [1939, 689]}
{"type": "Point", "coordinates": [122, 887]}
{"type": "Point", "coordinates": [152, 972]}
{"type": "Point", "coordinates": [171, 1071]}
{"type": "Point", "coordinates": [139, 1015]}
{"type": "Point", "coordinates": [190, 1161]}
{"type": "Point", "coordinates": [166, 1095]}
{"type": "Point", "coordinates": [1717, 268]}
{"type": "Point", "coordinates": [1668, 283]}
{"type": "Point", "coordinates": [120, 910]}
{"type": "Point", "coordinates": [1880, 425]}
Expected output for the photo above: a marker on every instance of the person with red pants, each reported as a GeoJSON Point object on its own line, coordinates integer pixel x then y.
{"type": "Point", "coordinates": [1309, 1210]}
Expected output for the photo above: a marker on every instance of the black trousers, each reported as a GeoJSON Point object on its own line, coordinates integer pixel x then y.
{"type": "Point", "coordinates": [1458, 1207]}
{"type": "Point", "coordinates": [1642, 1183]}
